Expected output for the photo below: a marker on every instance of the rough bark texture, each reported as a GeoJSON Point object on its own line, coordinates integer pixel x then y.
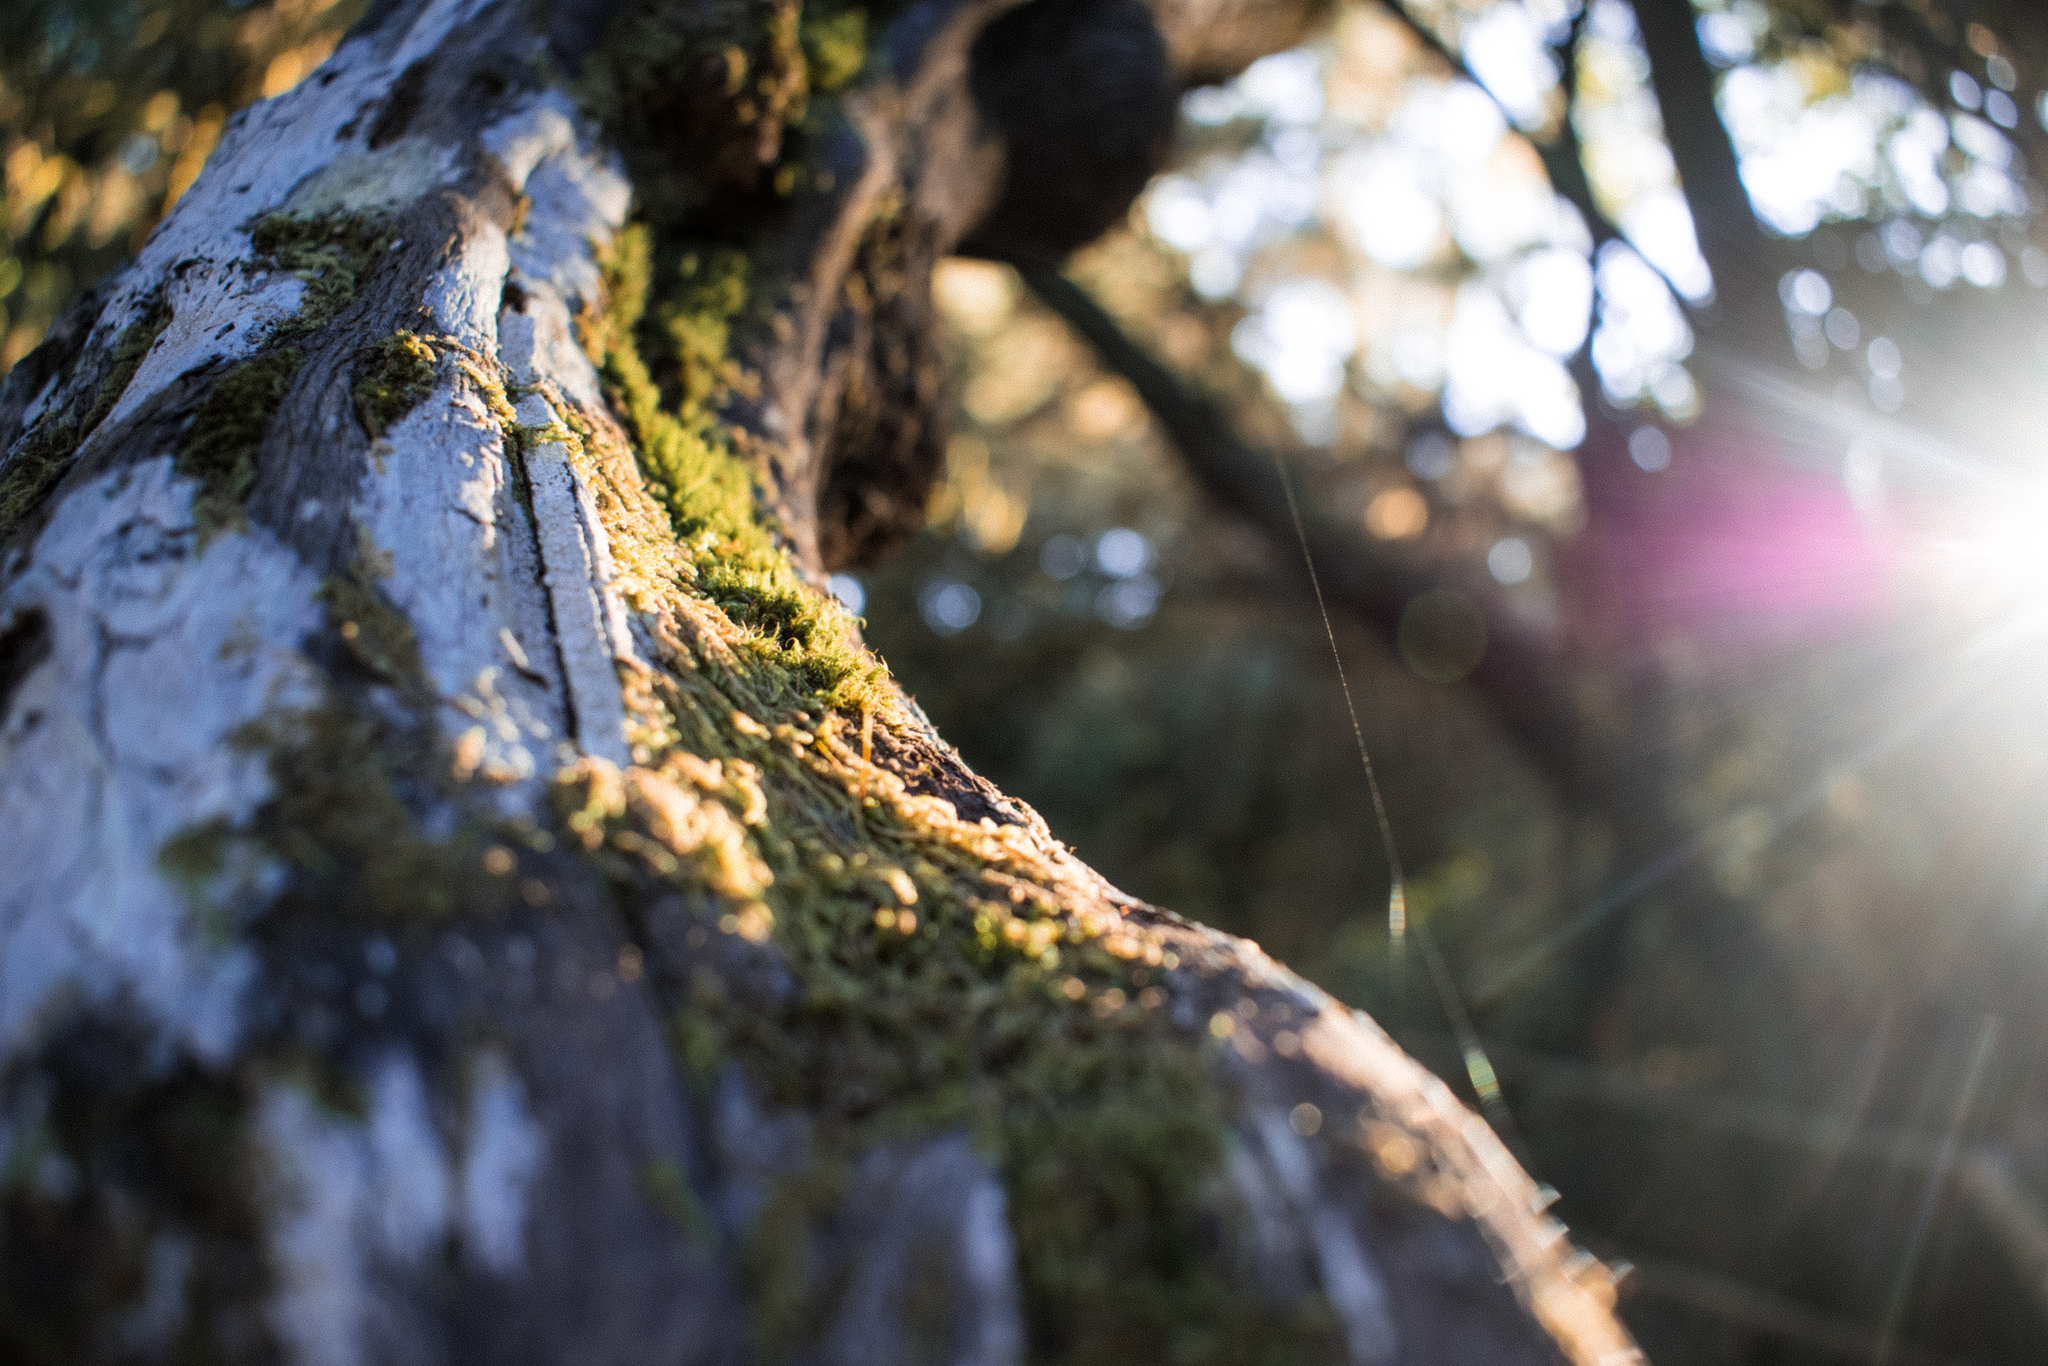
{"type": "Point", "coordinates": [469, 899]}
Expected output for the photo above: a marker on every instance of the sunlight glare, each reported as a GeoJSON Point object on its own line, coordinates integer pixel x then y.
{"type": "Point", "coordinates": [1493, 377]}
{"type": "Point", "coordinates": [1505, 49]}
{"type": "Point", "coordinates": [1301, 337]}
{"type": "Point", "coordinates": [1818, 145]}
{"type": "Point", "coordinates": [1995, 556]}
{"type": "Point", "coordinates": [1391, 217]}
{"type": "Point", "coordinates": [1551, 293]}
{"type": "Point", "coordinates": [1642, 335]}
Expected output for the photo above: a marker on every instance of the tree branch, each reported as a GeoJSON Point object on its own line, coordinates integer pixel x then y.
{"type": "Point", "coordinates": [1518, 674]}
{"type": "Point", "coordinates": [1708, 171]}
{"type": "Point", "coordinates": [1560, 154]}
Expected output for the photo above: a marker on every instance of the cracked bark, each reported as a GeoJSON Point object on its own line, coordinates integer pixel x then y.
{"type": "Point", "coordinates": [240, 1118]}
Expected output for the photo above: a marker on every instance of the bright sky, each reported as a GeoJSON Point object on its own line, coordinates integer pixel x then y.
{"type": "Point", "coordinates": [1460, 278]}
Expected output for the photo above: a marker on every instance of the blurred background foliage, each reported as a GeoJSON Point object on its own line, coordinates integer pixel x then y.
{"type": "Point", "coordinates": [1665, 386]}
{"type": "Point", "coordinates": [1683, 511]}
{"type": "Point", "coordinates": [107, 111]}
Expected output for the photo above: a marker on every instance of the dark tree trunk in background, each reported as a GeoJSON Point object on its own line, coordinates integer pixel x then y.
{"type": "Point", "coordinates": [467, 896]}
{"type": "Point", "coordinates": [1700, 143]}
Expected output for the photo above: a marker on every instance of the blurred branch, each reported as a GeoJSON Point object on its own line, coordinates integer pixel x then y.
{"type": "Point", "coordinates": [1560, 152]}
{"type": "Point", "coordinates": [1709, 174]}
{"type": "Point", "coordinates": [1562, 155]}
{"type": "Point", "coordinates": [1518, 672]}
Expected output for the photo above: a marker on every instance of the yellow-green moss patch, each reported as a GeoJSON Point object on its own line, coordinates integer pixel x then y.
{"type": "Point", "coordinates": [339, 817]}
{"type": "Point", "coordinates": [331, 254]}
{"type": "Point", "coordinates": [835, 43]}
{"type": "Point", "coordinates": [134, 343]}
{"type": "Point", "coordinates": [39, 462]}
{"type": "Point", "coordinates": [392, 377]}
{"type": "Point", "coordinates": [220, 449]}
{"type": "Point", "coordinates": [732, 71]}
{"type": "Point", "coordinates": [196, 855]}
{"type": "Point", "coordinates": [666, 1186]}
{"type": "Point", "coordinates": [351, 781]}
{"type": "Point", "coordinates": [950, 974]}
{"type": "Point", "coordinates": [690, 464]}
{"type": "Point", "coordinates": [375, 632]}
{"type": "Point", "coordinates": [708, 290]}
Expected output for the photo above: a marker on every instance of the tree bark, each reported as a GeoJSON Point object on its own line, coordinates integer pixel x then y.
{"type": "Point", "coordinates": [468, 895]}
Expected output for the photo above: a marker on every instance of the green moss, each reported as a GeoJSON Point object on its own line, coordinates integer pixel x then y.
{"type": "Point", "coordinates": [331, 253]}
{"type": "Point", "coordinates": [947, 976]}
{"type": "Point", "coordinates": [740, 75]}
{"type": "Point", "coordinates": [377, 634]}
{"type": "Point", "coordinates": [197, 855]}
{"type": "Point", "coordinates": [192, 859]}
{"type": "Point", "coordinates": [338, 817]}
{"type": "Point", "coordinates": [392, 377]}
{"type": "Point", "coordinates": [220, 449]}
{"type": "Point", "coordinates": [350, 781]}
{"type": "Point", "coordinates": [731, 71]}
{"type": "Point", "coordinates": [38, 463]}
{"type": "Point", "coordinates": [691, 466]}
{"type": "Point", "coordinates": [46, 454]}
{"type": "Point", "coordinates": [709, 292]}
{"type": "Point", "coordinates": [134, 343]}
{"type": "Point", "coordinates": [776, 1258]}
{"type": "Point", "coordinates": [835, 44]}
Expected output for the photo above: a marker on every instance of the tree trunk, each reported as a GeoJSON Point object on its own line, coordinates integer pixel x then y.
{"type": "Point", "coordinates": [469, 896]}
